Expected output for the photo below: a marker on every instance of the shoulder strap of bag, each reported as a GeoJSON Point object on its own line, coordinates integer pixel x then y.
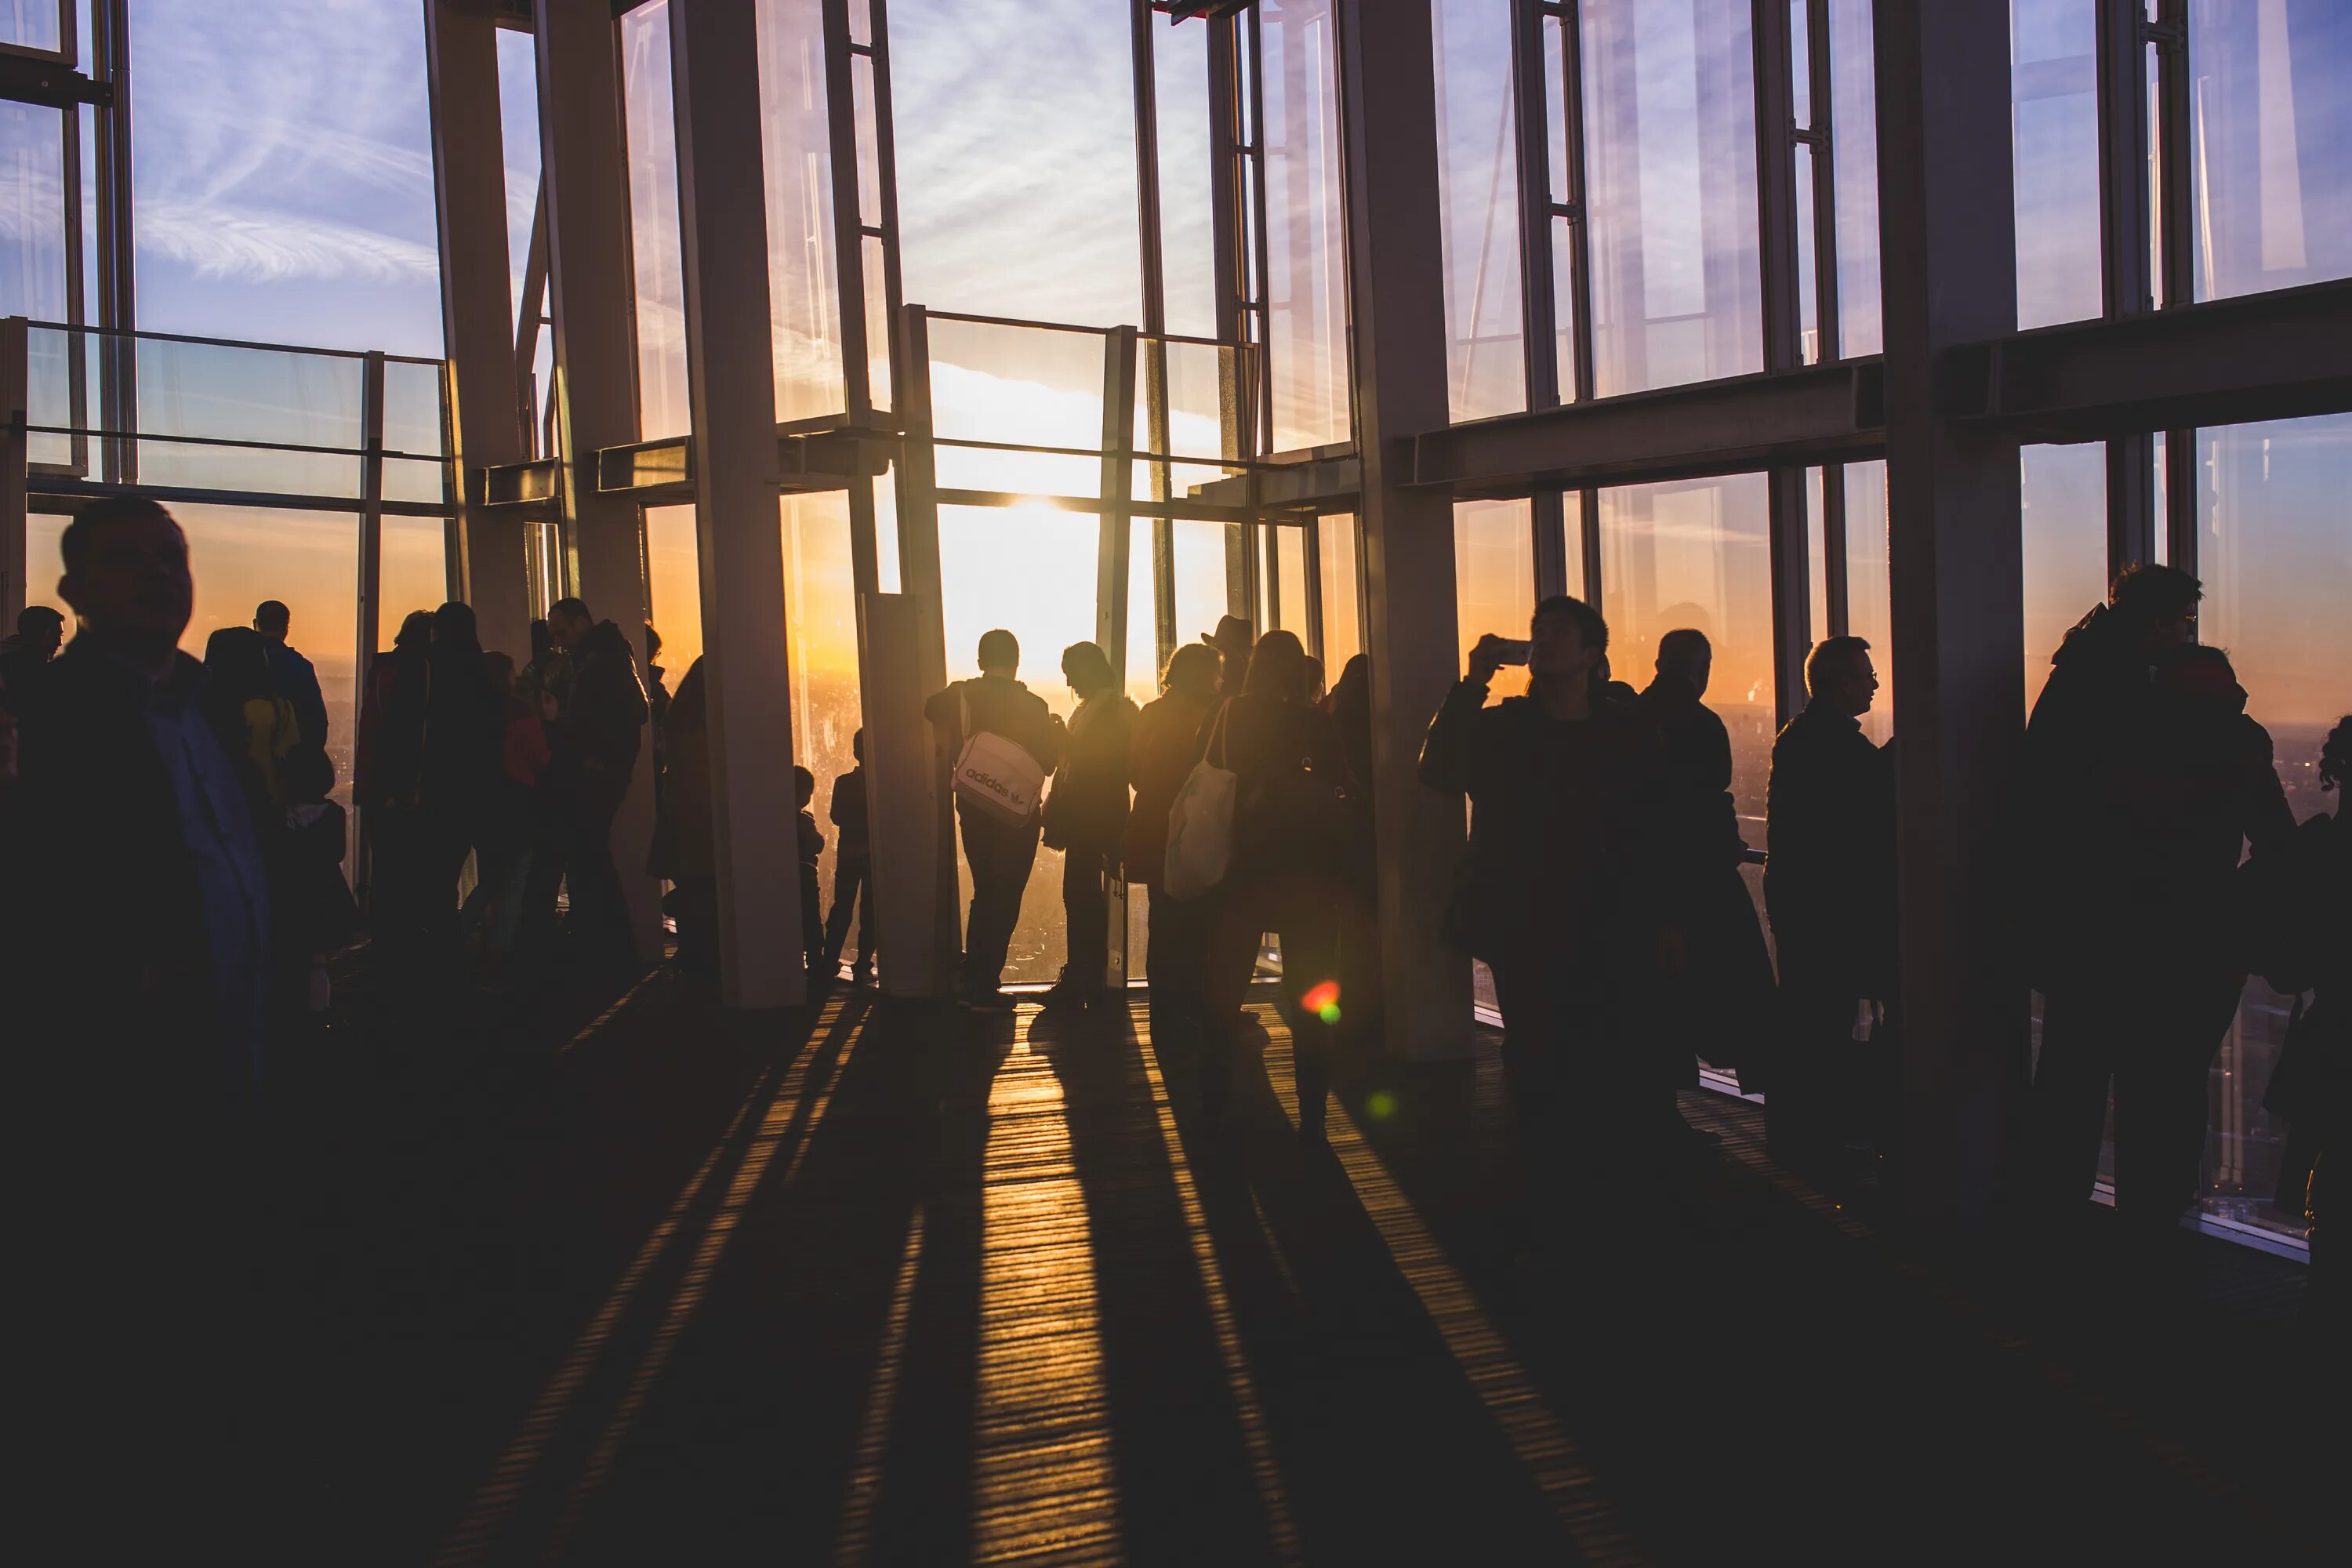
{"type": "Point", "coordinates": [963, 714]}
{"type": "Point", "coordinates": [1217, 734]}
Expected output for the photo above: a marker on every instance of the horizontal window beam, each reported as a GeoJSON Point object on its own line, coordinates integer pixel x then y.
{"type": "Point", "coordinates": [1823, 412]}
{"type": "Point", "coordinates": [2284, 354]}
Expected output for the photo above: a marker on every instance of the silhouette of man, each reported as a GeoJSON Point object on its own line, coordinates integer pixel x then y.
{"type": "Point", "coordinates": [290, 675]}
{"type": "Point", "coordinates": [24, 657]}
{"type": "Point", "coordinates": [2134, 833]}
{"type": "Point", "coordinates": [1726, 982]}
{"type": "Point", "coordinates": [853, 867]}
{"type": "Point", "coordinates": [1000, 851]}
{"type": "Point", "coordinates": [602, 722]}
{"type": "Point", "coordinates": [1829, 891]}
{"type": "Point", "coordinates": [141, 966]}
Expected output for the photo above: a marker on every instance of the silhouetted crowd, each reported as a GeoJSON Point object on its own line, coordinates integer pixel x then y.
{"type": "Point", "coordinates": [180, 891]}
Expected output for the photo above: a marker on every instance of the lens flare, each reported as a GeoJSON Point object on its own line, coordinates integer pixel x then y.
{"type": "Point", "coordinates": [1380, 1105]}
{"type": "Point", "coordinates": [1329, 1015]}
{"type": "Point", "coordinates": [1323, 998]}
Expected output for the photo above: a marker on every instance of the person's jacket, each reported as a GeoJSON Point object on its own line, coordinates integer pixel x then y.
{"type": "Point", "coordinates": [1703, 822]}
{"type": "Point", "coordinates": [1566, 855]}
{"type": "Point", "coordinates": [1161, 749]}
{"type": "Point", "coordinates": [998, 705]}
{"type": "Point", "coordinates": [391, 757]}
{"type": "Point", "coordinates": [1829, 837]}
{"type": "Point", "coordinates": [1089, 807]}
{"type": "Point", "coordinates": [272, 729]}
{"type": "Point", "coordinates": [293, 678]}
{"type": "Point", "coordinates": [465, 732]}
{"type": "Point", "coordinates": [1294, 797]}
{"type": "Point", "coordinates": [605, 715]}
{"type": "Point", "coordinates": [850, 840]}
{"type": "Point", "coordinates": [105, 945]}
{"type": "Point", "coordinates": [2190, 819]}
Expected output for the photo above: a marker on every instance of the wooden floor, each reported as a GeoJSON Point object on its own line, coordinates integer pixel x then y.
{"type": "Point", "coordinates": [630, 1280]}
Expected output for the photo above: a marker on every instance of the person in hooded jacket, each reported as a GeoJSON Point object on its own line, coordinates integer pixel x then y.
{"type": "Point", "coordinates": [2146, 780]}
{"type": "Point", "coordinates": [1086, 818]}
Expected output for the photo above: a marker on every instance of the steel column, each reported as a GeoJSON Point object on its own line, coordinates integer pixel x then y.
{"type": "Point", "coordinates": [117, 293]}
{"type": "Point", "coordinates": [747, 674]}
{"type": "Point", "coordinates": [1396, 268]}
{"type": "Point", "coordinates": [2127, 280]}
{"type": "Point", "coordinates": [1949, 247]}
{"type": "Point", "coordinates": [910, 851]}
{"type": "Point", "coordinates": [477, 312]}
{"type": "Point", "coordinates": [590, 286]}
{"type": "Point", "coordinates": [15, 396]}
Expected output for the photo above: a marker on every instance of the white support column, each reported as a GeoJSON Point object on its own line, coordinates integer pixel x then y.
{"type": "Point", "coordinates": [723, 219]}
{"type": "Point", "coordinates": [1948, 240]}
{"type": "Point", "coordinates": [585, 157]}
{"type": "Point", "coordinates": [1387, 86]}
{"type": "Point", "coordinates": [476, 312]}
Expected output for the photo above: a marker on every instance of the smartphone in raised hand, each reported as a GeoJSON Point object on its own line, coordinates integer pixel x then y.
{"type": "Point", "coordinates": [1500, 650]}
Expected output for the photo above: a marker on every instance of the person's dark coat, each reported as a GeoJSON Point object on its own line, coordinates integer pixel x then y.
{"type": "Point", "coordinates": [391, 757]}
{"type": "Point", "coordinates": [1294, 798]}
{"type": "Point", "coordinates": [852, 838]}
{"type": "Point", "coordinates": [1087, 810]}
{"type": "Point", "coordinates": [998, 705]}
{"type": "Point", "coordinates": [1564, 854]}
{"type": "Point", "coordinates": [111, 959]}
{"type": "Point", "coordinates": [464, 743]}
{"type": "Point", "coordinates": [292, 677]}
{"type": "Point", "coordinates": [1163, 745]}
{"type": "Point", "coordinates": [1828, 868]}
{"type": "Point", "coordinates": [1721, 998]}
{"type": "Point", "coordinates": [604, 717]}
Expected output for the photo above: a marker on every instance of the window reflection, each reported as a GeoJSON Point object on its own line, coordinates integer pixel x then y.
{"type": "Point", "coordinates": [1697, 554]}
{"type": "Point", "coordinates": [652, 133]}
{"type": "Point", "coordinates": [2063, 516]}
{"type": "Point", "coordinates": [1306, 283]}
{"type": "Point", "coordinates": [1868, 612]}
{"type": "Point", "coordinates": [1669, 114]}
{"type": "Point", "coordinates": [2276, 562]}
{"type": "Point", "coordinates": [796, 164]}
{"type": "Point", "coordinates": [2271, 122]}
{"type": "Point", "coordinates": [1016, 159]}
{"type": "Point", "coordinates": [1340, 585]}
{"type": "Point", "coordinates": [1187, 205]}
{"type": "Point", "coordinates": [1853, 109]}
{"type": "Point", "coordinates": [1495, 580]}
{"type": "Point", "coordinates": [2055, 106]}
{"type": "Point", "coordinates": [33, 211]}
{"type": "Point", "coordinates": [1478, 194]}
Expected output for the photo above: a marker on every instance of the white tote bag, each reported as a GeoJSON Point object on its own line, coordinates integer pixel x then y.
{"type": "Point", "coordinates": [996, 774]}
{"type": "Point", "coordinates": [1201, 823]}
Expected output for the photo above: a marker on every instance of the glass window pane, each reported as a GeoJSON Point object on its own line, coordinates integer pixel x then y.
{"type": "Point", "coordinates": [1478, 195]}
{"type": "Point", "coordinates": [1697, 554]}
{"type": "Point", "coordinates": [31, 25]}
{"type": "Point", "coordinates": [413, 574]}
{"type": "Point", "coordinates": [1142, 624]}
{"type": "Point", "coordinates": [821, 621]}
{"type": "Point", "coordinates": [1306, 286]}
{"type": "Point", "coordinates": [2063, 517]}
{"type": "Point", "coordinates": [1817, 577]}
{"type": "Point", "coordinates": [1032, 572]}
{"type": "Point", "coordinates": [1808, 322]}
{"type": "Point", "coordinates": [1868, 609]}
{"type": "Point", "coordinates": [662, 407]}
{"type": "Point", "coordinates": [877, 283]}
{"type": "Point", "coordinates": [1201, 584]}
{"type": "Point", "coordinates": [1495, 580]}
{"type": "Point", "coordinates": [1187, 206]}
{"type": "Point", "coordinates": [1343, 632]}
{"type": "Point", "coordinates": [2272, 143]}
{"type": "Point", "coordinates": [1289, 551]}
{"type": "Point", "coordinates": [519, 139]}
{"type": "Point", "coordinates": [1016, 177]}
{"type": "Point", "coordinates": [2054, 98]}
{"type": "Point", "coordinates": [1029, 385]}
{"type": "Point", "coordinates": [1670, 157]}
{"type": "Point", "coordinates": [229, 394]}
{"type": "Point", "coordinates": [674, 586]}
{"type": "Point", "coordinates": [33, 212]}
{"type": "Point", "coordinates": [2276, 561]}
{"type": "Point", "coordinates": [1853, 157]}
{"type": "Point", "coordinates": [796, 165]}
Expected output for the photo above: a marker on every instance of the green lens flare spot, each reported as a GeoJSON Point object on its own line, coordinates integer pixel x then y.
{"type": "Point", "coordinates": [1330, 1012]}
{"type": "Point", "coordinates": [1380, 1105]}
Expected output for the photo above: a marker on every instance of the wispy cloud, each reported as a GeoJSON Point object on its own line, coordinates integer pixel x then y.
{"type": "Point", "coordinates": [263, 245]}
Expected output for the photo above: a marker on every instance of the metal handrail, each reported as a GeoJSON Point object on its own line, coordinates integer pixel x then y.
{"type": "Point", "coordinates": [1141, 337]}
{"type": "Point", "coordinates": [141, 333]}
{"type": "Point", "coordinates": [231, 441]}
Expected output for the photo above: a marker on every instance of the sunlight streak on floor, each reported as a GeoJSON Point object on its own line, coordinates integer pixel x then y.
{"type": "Point", "coordinates": [790, 1121]}
{"type": "Point", "coordinates": [1242, 1387]}
{"type": "Point", "coordinates": [490, 1505]}
{"type": "Point", "coordinates": [853, 1539]}
{"type": "Point", "coordinates": [1044, 1478]}
{"type": "Point", "coordinates": [1493, 1372]}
